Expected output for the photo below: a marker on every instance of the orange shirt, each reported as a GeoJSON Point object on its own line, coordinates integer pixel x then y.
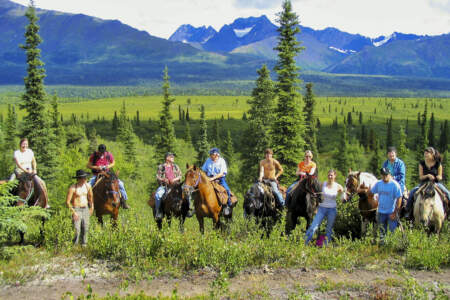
{"type": "Point", "coordinates": [306, 168]}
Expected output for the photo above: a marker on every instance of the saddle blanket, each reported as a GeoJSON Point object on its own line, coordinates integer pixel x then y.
{"type": "Point", "coordinates": [222, 195]}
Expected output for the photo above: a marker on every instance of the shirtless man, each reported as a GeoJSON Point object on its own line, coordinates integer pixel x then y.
{"type": "Point", "coordinates": [267, 170]}
{"type": "Point", "coordinates": [80, 202]}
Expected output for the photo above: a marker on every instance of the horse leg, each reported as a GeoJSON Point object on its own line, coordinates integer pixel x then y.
{"type": "Point", "coordinates": [42, 231]}
{"type": "Point", "coordinates": [22, 237]}
{"type": "Point", "coordinates": [290, 222]}
{"type": "Point", "coordinates": [169, 220]}
{"type": "Point", "coordinates": [181, 226]}
{"type": "Point", "coordinates": [100, 219]}
{"type": "Point", "coordinates": [201, 224]}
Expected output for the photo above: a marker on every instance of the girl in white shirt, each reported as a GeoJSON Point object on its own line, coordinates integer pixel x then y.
{"type": "Point", "coordinates": [24, 159]}
{"type": "Point", "coordinates": [327, 208]}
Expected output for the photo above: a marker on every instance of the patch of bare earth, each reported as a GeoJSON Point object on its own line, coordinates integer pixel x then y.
{"type": "Point", "coordinates": [58, 277]}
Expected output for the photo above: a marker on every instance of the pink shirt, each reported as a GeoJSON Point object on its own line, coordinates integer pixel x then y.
{"type": "Point", "coordinates": [169, 172]}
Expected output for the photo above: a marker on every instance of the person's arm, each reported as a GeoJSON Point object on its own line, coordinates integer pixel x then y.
{"type": "Point", "coordinates": [340, 192]}
{"type": "Point", "coordinates": [177, 174]}
{"type": "Point", "coordinates": [424, 177]}
{"type": "Point", "coordinates": [69, 203]}
{"type": "Point", "coordinates": [19, 165]}
{"type": "Point", "coordinates": [299, 172]}
{"type": "Point", "coordinates": [439, 176]}
{"type": "Point", "coordinates": [90, 165]}
{"type": "Point", "coordinates": [160, 175]}
{"type": "Point", "coordinates": [90, 196]}
{"type": "Point", "coordinates": [261, 171]}
{"type": "Point", "coordinates": [280, 169]}
{"type": "Point", "coordinates": [33, 165]}
{"type": "Point", "coordinates": [402, 173]}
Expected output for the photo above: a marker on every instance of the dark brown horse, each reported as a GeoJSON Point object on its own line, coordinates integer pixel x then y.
{"type": "Point", "coordinates": [198, 187]}
{"type": "Point", "coordinates": [106, 195]}
{"type": "Point", "coordinates": [304, 200]}
{"type": "Point", "coordinates": [173, 204]}
{"type": "Point", "coordinates": [32, 192]}
{"type": "Point", "coordinates": [360, 183]}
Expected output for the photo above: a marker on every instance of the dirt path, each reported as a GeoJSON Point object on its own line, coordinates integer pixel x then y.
{"type": "Point", "coordinates": [255, 283]}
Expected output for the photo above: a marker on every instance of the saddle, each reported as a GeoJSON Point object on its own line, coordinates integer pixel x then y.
{"type": "Point", "coordinates": [222, 195]}
{"type": "Point", "coordinates": [438, 190]}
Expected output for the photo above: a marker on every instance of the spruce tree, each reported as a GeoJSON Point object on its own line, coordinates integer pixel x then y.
{"type": "Point", "coordinates": [431, 140]}
{"type": "Point", "coordinates": [187, 115]}
{"type": "Point", "coordinates": [310, 120]}
{"type": "Point", "coordinates": [402, 150]}
{"type": "Point", "coordinates": [363, 138]}
{"type": "Point", "coordinates": [115, 122]}
{"type": "Point", "coordinates": [187, 133]}
{"type": "Point", "coordinates": [260, 119]}
{"type": "Point", "coordinates": [446, 168]}
{"type": "Point", "coordinates": [389, 138]}
{"type": "Point", "coordinates": [56, 124]}
{"type": "Point", "coordinates": [166, 130]}
{"type": "Point", "coordinates": [349, 119]}
{"type": "Point", "coordinates": [360, 118]}
{"type": "Point", "coordinates": [138, 121]}
{"type": "Point", "coordinates": [376, 160]}
{"type": "Point", "coordinates": [341, 156]}
{"type": "Point", "coordinates": [203, 145]}
{"type": "Point", "coordinates": [443, 139]}
{"type": "Point", "coordinates": [10, 129]}
{"type": "Point", "coordinates": [93, 143]}
{"type": "Point", "coordinates": [127, 138]}
{"type": "Point", "coordinates": [36, 123]}
{"type": "Point", "coordinates": [288, 127]}
{"type": "Point", "coordinates": [215, 137]}
{"type": "Point", "coordinates": [228, 148]}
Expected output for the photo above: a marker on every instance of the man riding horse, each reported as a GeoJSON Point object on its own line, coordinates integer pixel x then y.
{"type": "Point", "coordinates": [215, 168]}
{"type": "Point", "coordinates": [267, 169]}
{"type": "Point", "coordinates": [168, 175]}
{"type": "Point", "coordinates": [103, 160]}
{"type": "Point", "coordinates": [397, 168]}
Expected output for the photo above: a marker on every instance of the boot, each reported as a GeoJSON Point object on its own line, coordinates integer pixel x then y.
{"type": "Point", "coordinates": [158, 214]}
{"type": "Point", "coordinates": [226, 211]}
{"type": "Point", "coordinates": [124, 204]}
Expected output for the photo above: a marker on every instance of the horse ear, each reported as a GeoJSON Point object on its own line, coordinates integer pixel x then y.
{"type": "Point", "coordinates": [349, 170]}
{"type": "Point", "coordinates": [359, 173]}
{"type": "Point", "coordinates": [195, 168]}
{"type": "Point", "coordinates": [187, 166]}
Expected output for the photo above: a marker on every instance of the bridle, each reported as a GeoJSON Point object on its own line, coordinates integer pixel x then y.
{"type": "Point", "coordinates": [348, 187]}
{"type": "Point", "coordinates": [192, 188]}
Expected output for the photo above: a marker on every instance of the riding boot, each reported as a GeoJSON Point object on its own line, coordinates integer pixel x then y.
{"type": "Point", "coordinates": [124, 204]}
{"type": "Point", "coordinates": [158, 214]}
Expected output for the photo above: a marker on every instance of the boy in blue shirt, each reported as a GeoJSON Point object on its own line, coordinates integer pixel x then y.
{"type": "Point", "coordinates": [389, 201]}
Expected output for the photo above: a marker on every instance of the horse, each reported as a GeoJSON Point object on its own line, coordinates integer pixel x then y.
{"type": "Point", "coordinates": [429, 208]}
{"type": "Point", "coordinates": [260, 202]}
{"type": "Point", "coordinates": [206, 202]}
{"type": "Point", "coordinates": [304, 200]}
{"type": "Point", "coordinates": [173, 204]}
{"type": "Point", "coordinates": [367, 202]}
{"type": "Point", "coordinates": [32, 191]}
{"type": "Point", "coordinates": [106, 195]}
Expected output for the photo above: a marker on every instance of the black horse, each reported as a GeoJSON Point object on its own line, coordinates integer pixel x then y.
{"type": "Point", "coordinates": [260, 203]}
{"type": "Point", "coordinates": [173, 204]}
{"type": "Point", "coordinates": [304, 199]}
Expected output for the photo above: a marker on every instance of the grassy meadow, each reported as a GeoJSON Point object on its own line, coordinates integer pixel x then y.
{"type": "Point", "coordinates": [138, 251]}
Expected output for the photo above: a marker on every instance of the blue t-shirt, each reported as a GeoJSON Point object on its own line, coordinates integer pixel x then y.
{"type": "Point", "coordinates": [388, 193]}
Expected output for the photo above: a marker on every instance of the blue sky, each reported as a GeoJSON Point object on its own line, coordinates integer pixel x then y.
{"type": "Point", "coordinates": [367, 17]}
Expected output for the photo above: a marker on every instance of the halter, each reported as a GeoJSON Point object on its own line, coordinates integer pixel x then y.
{"type": "Point", "coordinates": [193, 188]}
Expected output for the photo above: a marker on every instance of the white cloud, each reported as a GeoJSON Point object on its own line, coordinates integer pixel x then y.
{"type": "Point", "coordinates": [367, 17]}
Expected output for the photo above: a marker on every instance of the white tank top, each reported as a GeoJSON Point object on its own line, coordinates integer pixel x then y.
{"type": "Point", "coordinates": [329, 195]}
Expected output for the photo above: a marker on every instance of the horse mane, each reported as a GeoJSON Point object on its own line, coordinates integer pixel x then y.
{"type": "Point", "coordinates": [365, 178]}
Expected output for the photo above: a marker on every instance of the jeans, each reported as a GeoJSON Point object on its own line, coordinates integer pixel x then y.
{"type": "Point", "coordinates": [444, 189]}
{"type": "Point", "coordinates": [277, 192]}
{"type": "Point", "coordinates": [322, 212]}
{"type": "Point", "coordinates": [81, 225]}
{"type": "Point", "coordinates": [223, 183]}
{"type": "Point", "coordinates": [383, 221]}
{"type": "Point", "coordinates": [158, 196]}
{"type": "Point", "coordinates": [121, 187]}
{"type": "Point", "coordinates": [291, 187]}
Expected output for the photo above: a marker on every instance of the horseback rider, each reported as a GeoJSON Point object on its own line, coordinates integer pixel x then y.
{"type": "Point", "coordinates": [24, 159]}
{"type": "Point", "coordinates": [389, 202]}
{"type": "Point", "coordinates": [103, 160]}
{"type": "Point", "coordinates": [215, 168]}
{"type": "Point", "coordinates": [267, 169]}
{"type": "Point", "coordinates": [168, 174]}
{"type": "Point", "coordinates": [430, 169]}
{"type": "Point", "coordinates": [305, 167]}
{"type": "Point", "coordinates": [396, 166]}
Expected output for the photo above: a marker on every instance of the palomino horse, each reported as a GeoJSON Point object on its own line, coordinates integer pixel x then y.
{"type": "Point", "coordinates": [106, 195]}
{"type": "Point", "coordinates": [304, 200]}
{"type": "Point", "coordinates": [32, 192]}
{"type": "Point", "coordinates": [260, 202]}
{"type": "Point", "coordinates": [206, 202]}
{"type": "Point", "coordinates": [367, 203]}
{"type": "Point", "coordinates": [429, 208]}
{"type": "Point", "coordinates": [173, 204]}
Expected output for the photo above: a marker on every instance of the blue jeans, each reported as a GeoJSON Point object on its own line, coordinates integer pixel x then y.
{"type": "Point", "coordinates": [277, 192]}
{"type": "Point", "coordinates": [158, 195]}
{"type": "Point", "coordinates": [383, 221]}
{"type": "Point", "coordinates": [290, 187]}
{"type": "Point", "coordinates": [322, 212]}
{"type": "Point", "coordinates": [121, 187]}
{"type": "Point", "coordinates": [223, 183]}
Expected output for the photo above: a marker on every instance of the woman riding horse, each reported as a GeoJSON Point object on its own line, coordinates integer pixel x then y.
{"type": "Point", "coordinates": [305, 167]}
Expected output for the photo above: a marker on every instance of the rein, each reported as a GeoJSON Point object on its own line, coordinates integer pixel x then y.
{"type": "Point", "coordinates": [193, 188]}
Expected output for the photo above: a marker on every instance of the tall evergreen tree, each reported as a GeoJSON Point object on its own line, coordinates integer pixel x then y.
{"type": "Point", "coordinates": [402, 150]}
{"type": "Point", "coordinates": [115, 122]}
{"type": "Point", "coordinates": [187, 115]}
{"type": "Point", "coordinates": [310, 120]}
{"type": "Point", "coordinates": [360, 118]}
{"type": "Point", "coordinates": [363, 138]}
{"type": "Point", "coordinates": [167, 140]}
{"type": "Point", "coordinates": [288, 127]}
{"type": "Point", "coordinates": [431, 140]}
{"type": "Point", "coordinates": [372, 138]}
{"type": "Point", "coordinates": [341, 156]}
{"type": "Point", "coordinates": [349, 119]}
{"type": "Point", "coordinates": [36, 123]}
{"type": "Point", "coordinates": [215, 137]}
{"type": "Point", "coordinates": [203, 145]}
{"type": "Point", "coordinates": [127, 138]}
{"type": "Point", "coordinates": [260, 119]}
{"type": "Point", "coordinates": [446, 168]}
{"type": "Point", "coordinates": [10, 129]}
{"type": "Point", "coordinates": [228, 148]}
{"type": "Point", "coordinates": [389, 137]}
{"type": "Point", "coordinates": [376, 160]}
{"type": "Point", "coordinates": [56, 124]}
{"type": "Point", "coordinates": [138, 121]}
{"type": "Point", "coordinates": [443, 139]}
{"type": "Point", "coordinates": [187, 133]}
{"type": "Point", "coordinates": [93, 143]}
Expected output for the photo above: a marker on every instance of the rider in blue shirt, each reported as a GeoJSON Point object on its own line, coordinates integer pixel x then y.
{"type": "Point", "coordinates": [215, 167]}
{"type": "Point", "coordinates": [396, 166]}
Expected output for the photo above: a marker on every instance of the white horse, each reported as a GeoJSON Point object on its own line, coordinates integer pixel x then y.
{"type": "Point", "coordinates": [429, 208]}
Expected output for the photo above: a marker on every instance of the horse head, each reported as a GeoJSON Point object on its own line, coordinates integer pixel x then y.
{"type": "Point", "coordinates": [351, 185]}
{"type": "Point", "coordinates": [25, 188]}
{"type": "Point", "coordinates": [111, 185]}
{"type": "Point", "coordinates": [252, 199]}
{"type": "Point", "coordinates": [426, 203]}
{"type": "Point", "coordinates": [191, 180]}
{"type": "Point", "coordinates": [313, 196]}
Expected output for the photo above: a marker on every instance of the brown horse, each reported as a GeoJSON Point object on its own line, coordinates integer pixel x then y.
{"type": "Point", "coordinates": [206, 202]}
{"type": "Point", "coordinates": [106, 195]}
{"type": "Point", "coordinates": [174, 204]}
{"type": "Point", "coordinates": [360, 183]}
{"type": "Point", "coordinates": [32, 192]}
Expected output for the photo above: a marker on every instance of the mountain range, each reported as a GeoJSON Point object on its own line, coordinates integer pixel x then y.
{"type": "Point", "coordinates": [80, 49]}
